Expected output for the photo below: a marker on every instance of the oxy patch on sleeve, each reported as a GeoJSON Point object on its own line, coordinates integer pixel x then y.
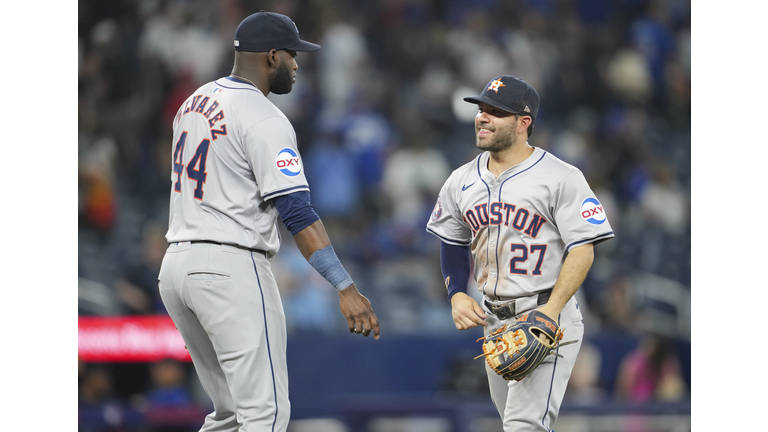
{"type": "Point", "coordinates": [592, 211]}
{"type": "Point", "coordinates": [288, 162]}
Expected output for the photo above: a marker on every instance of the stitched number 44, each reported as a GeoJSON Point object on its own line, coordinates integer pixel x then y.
{"type": "Point", "coordinates": [195, 167]}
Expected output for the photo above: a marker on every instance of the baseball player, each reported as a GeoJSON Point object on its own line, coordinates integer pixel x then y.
{"type": "Point", "coordinates": [528, 221]}
{"type": "Point", "coordinates": [236, 169]}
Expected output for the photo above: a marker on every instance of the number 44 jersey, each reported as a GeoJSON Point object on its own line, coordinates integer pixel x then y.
{"type": "Point", "coordinates": [233, 151]}
{"type": "Point", "coordinates": [521, 225]}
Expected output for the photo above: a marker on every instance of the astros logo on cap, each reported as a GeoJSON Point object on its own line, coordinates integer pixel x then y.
{"type": "Point", "coordinates": [495, 84]}
{"type": "Point", "coordinates": [592, 211]}
{"type": "Point", "coordinates": [288, 162]}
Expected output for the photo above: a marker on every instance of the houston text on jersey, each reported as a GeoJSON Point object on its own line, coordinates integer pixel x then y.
{"type": "Point", "coordinates": [501, 213]}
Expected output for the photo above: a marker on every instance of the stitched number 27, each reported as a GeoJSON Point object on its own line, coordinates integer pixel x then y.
{"type": "Point", "coordinates": [539, 250]}
{"type": "Point", "coordinates": [195, 167]}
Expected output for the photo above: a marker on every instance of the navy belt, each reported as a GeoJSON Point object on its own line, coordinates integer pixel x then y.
{"type": "Point", "coordinates": [508, 310]}
{"type": "Point", "coordinates": [259, 251]}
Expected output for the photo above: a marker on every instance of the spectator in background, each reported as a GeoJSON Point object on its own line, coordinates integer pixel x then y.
{"type": "Point", "coordinates": [531, 52]}
{"type": "Point", "coordinates": [341, 61]}
{"type": "Point", "coordinates": [367, 134]}
{"type": "Point", "coordinates": [168, 385]}
{"type": "Point", "coordinates": [629, 77]}
{"type": "Point", "coordinates": [651, 372]}
{"type": "Point", "coordinates": [473, 43]}
{"type": "Point", "coordinates": [663, 202]}
{"type": "Point", "coordinates": [332, 171]}
{"type": "Point", "coordinates": [310, 308]}
{"type": "Point", "coordinates": [137, 287]}
{"type": "Point", "coordinates": [614, 304]}
{"type": "Point", "coordinates": [413, 175]}
{"type": "Point", "coordinates": [97, 203]}
{"type": "Point", "coordinates": [177, 34]}
{"type": "Point", "coordinates": [650, 35]}
{"type": "Point", "coordinates": [169, 406]}
{"type": "Point", "coordinates": [584, 386]}
{"type": "Point", "coordinates": [99, 410]}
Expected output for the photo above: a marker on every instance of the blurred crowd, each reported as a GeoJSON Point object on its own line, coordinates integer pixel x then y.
{"type": "Point", "coordinates": [381, 124]}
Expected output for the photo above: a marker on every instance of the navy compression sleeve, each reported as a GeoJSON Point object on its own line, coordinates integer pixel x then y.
{"type": "Point", "coordinates": [455, 264]}
{"type": "Point", "coordinates": [296, 211]}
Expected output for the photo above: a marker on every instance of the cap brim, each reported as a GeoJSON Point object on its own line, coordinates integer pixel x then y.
{"type": "Point", "coordinates": [492, 102]}
{"type": "Point", "coordinates": [304, 46]}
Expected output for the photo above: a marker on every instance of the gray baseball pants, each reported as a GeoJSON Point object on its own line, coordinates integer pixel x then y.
{"type": "Point", "coordinates": [226, 305]}
{"type": "Point", "coordinates": [533, 404]}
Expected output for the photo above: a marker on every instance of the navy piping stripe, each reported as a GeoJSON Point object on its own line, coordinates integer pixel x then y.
{"type": "Point", "coordinates": [498, 233]}
{"type": "Point", "coordinates": [498, 236]}
{"type": "Point", "coordinates": [447, 240]}
{"type": "Point", "coordinates": [237, 88]}
{"type": "Point", "coordinates": [591, 240]}
{"type": "Point", "coordinates": [271, 194]}
{"type": "Point", "coordinates": [231, 78]}
{"type": "Point", "coordinates": [479, 175]}
{"type": "Point", "coordinates": [551, 384]}
{"type": "Point", "coordinates": [518, 173]}
{"type": "Point", "coordinates": [266, 333]}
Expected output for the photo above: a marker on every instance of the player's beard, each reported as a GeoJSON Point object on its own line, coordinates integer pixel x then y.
{"type": "Point", "coordinates": [282, 82]}
{"type": "Point", "coordinates": [502, 139]}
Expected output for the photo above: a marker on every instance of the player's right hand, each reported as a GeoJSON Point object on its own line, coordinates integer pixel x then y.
{"type": "Point", "coordinates": [466, 312]}
{"type": "Point", "coordinates": [358, 312]}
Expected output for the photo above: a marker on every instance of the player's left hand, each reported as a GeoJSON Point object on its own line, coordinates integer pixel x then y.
{"type": "Point", "coordinates": [358, 312]}
{"type": "Point", "coordinates": [552, 313]}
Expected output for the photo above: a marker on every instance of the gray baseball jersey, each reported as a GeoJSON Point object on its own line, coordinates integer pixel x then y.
{"type": "Point", "coordinates": [233, 150]}
{"type": "Point", "coordinates": [521, 225]}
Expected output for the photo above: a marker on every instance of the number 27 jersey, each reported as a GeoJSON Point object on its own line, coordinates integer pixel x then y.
{"type": "Point", "coordinates": [521, 225]}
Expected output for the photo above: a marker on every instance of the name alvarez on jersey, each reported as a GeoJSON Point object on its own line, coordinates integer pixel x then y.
{"type": "Point", "coordinates": [197, 105]}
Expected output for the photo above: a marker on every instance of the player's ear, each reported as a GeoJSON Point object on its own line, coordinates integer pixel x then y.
{"type": "Point", "coordinates": [272, 58]}
{"type": "Point", "coordinates": [525, 121]}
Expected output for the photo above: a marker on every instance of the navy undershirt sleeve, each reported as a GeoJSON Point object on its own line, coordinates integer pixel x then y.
{"type": "Point", "coordinates": [296, 211]}
{"type": "Point", "coordinates": [455, 263]}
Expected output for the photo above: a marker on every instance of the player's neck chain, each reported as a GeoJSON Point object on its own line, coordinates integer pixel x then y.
{"type": "Point", "coordinates": [241, 78]}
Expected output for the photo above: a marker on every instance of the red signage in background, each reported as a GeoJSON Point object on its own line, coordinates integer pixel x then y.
{"type": "Point", "coordinates": [129, 339]}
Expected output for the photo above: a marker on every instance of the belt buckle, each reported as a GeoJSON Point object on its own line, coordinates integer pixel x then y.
{"type": "Point", "coordinates": [503, 311]}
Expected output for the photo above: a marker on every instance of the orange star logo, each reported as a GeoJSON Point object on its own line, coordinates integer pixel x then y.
{"type": "Point", "coordinates": [495, 84]}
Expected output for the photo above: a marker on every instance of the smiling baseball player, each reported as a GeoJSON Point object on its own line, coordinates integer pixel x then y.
{"type": "Point", "coordinates": [528, 221]}
{"type": "Point", "coordinates": [236, 169]}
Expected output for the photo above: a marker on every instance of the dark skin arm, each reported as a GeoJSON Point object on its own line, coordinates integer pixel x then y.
{"type": "Point", "coordinates": [354, 306]}
{"type": "Point", "coordinates": [258, 68]}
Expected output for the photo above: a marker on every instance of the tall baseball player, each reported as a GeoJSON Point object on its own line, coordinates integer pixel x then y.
{"type": "Point", "coordinates": [236, 168]}
{"type": "Point", "coordinates": [528, 221]}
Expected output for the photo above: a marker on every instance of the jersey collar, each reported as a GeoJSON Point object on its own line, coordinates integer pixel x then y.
{"type": "Point", "coordinates": [532, 160]}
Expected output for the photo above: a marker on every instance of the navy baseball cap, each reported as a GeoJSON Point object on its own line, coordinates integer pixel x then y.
{"type": "Point", "coordinates": [510, 94]}
{"type": "Point", "coordinates": [264, 31]}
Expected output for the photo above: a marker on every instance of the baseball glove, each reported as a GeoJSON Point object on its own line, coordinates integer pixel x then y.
{"type": "Point", "coordinates": [515, 350]}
